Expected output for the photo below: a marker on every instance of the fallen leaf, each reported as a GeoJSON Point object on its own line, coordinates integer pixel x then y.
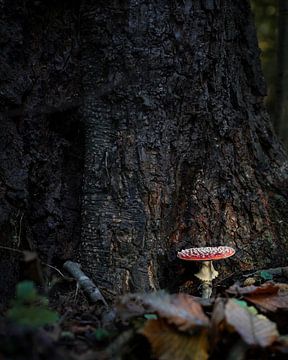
{"type": "Point", "coordinates": [268, 296]}
{"type": "Point", "coordinates": [282, 344]}
{"type": "Point", "coordinates": [254, 329]}
{"type": "Point", "coordinates": [271, 302]}
{"type": "Point", "coordinates": [130, 306]}
{"type": "Point", "coordinates": [244, 305]}
{"type": "Point", "coordinates": [266, 288]}
{"type": "Point", "coordinates": [179, 309]}
{"type": "Point", "coordinates": [203, 302]}
{"type": "Point", "coordinates": [217, 321]}
{"type": "Point", "coordinates": [169, 344]}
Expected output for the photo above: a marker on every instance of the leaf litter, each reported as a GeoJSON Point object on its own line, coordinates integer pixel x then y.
{"type": "Point", "coordinates": [238, 322]}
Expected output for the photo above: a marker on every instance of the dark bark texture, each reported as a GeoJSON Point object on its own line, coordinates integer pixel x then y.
{"type": "Point", "coordinates": [41, 136]}
{"type": "Point", "coordinates": [179, 150]}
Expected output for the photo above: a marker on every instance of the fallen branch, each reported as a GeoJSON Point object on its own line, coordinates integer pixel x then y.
{"type": "Point", "coordinates": [84, 281]}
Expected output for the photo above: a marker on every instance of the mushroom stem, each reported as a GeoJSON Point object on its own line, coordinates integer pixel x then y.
{"type": "Point", "coordinates": [206, 289]}
{"type": "Point", "coordinates": [206, 274]}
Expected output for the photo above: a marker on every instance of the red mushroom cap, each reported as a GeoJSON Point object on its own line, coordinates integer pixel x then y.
{"type": "Point", "coordinates": [206, 253]}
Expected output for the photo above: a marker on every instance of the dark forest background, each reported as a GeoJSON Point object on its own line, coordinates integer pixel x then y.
{"type": "Point", "coordinates": [271, 24]}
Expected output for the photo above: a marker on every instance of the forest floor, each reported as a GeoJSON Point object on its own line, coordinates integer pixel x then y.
{"type": "Point", "coordinates": [247, 318]}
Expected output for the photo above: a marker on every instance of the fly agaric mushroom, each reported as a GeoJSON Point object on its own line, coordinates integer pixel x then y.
{"type": "Point", "coordinates": [207, 272]}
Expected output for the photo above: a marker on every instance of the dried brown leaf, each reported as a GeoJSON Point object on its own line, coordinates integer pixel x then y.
{"type": "Point", "coordinates": [182, 310]}
{"type": "Point", "coordinates": [254, 329]}
{"type": "Point", "coordinates": [217, 320]}
{"type": "Point", "coordinates": [266, 288]}
{"type": "Point", "coordinates": [268, 297]}
{"type": "Point", "coordinates": [130, 306]}
{"type": "Point", "coordinates": [282, 344]}
{"type": "Point", "coordinates": [270, 303]}
{"type": "Point", "coordinates": [169, 344]}
{"type": "Point", "coordinates": [179, 309]}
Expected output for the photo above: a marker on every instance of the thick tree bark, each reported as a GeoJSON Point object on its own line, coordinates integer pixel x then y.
{"type": "Point", "coordinates": [179, 148]}
{"type": "Point", "coordinates": [41, 137]}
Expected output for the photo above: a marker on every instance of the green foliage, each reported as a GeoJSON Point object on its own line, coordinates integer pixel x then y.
{"type": "Point", "coordinates": [265, 275]}
{"type": "Point", "coordinates": [150, 316]}
{"type": "Point", "coordinates": [101, 334]}
{"type": "Point", "coordinates": [244, 305]}
{"type": "Point", "coordinates": [29, 308]}
{"type": "Point", "coordinates": [26, 292]}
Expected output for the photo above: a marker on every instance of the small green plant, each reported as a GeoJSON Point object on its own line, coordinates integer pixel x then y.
{"type": "Point", "coordinates": [30, 308]}
{"type": "Point", "coordinates": [101, 334]}
{"type": "Point", "coordinates": [265, 275]}
{"type": "Point", "coordinates": [150, 316]}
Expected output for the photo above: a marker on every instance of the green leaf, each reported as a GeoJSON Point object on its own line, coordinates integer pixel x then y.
{"type": "Point", "coordinates": [35, 316]}
{"type": "Point", "coordinates": [244, 305]}
{"type": "Point", "coordinates": [29, 308]}
{"type": "Point", "coordinates": [26, 292]}
{"type": "Point", "coordinates": [241, 303]}
{"type": "Point", "coordinates": [101, 334]}
{"type": "Point", "coordinates": [265, 275]}
{"type": "Point", "coordinates": [150, 316]}
{"type": "Point", "coordinates": [67, 335]}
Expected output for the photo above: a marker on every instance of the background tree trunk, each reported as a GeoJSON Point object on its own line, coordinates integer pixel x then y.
{"type": "Point", "coordinates": [41, 136]}
{"type": "Point", "coordinates": [179, 149]}
{"type": "Point", "coordinates": [282, 78]}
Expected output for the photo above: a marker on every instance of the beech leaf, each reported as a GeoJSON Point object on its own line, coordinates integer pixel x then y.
{"type": "Point", "coordinates": [169, 344]}
{"type": "Point", "coordinates": [270, 301]}
{"type": "Point", "coordinates": [254, 329]}
{"type": "Point", "coordinates": [217, 321]}
{"type": "Point", "coordinates": [268, 296]}
{"type": "Point", "coordinates": [181, 310]}
{"type": "Point", "coordinates": [178, 309]}
{"type": "Point", "coordinates": [266, 288]}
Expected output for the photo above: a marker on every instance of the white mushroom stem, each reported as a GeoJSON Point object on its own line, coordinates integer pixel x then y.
{"type": "Point", "coordinates": [206, 274]}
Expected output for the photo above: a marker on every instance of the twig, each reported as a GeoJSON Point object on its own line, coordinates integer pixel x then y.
{"type": "Point", "coordinates": [54, 268]}
{"type": "Point", "coordinates": [87, 284]}
{"type": "Point", "coordinates": [76, 292]}
{"type": "Point", "coordinates": [11, 249]}
{"type": "Point", "coordinates": [20, 229]}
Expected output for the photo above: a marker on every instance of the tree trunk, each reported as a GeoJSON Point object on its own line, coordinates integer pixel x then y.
{"type": "Point", "coordinates": [282, 78]}
{"type": "Point", "coordinates": [179, 148]}
{"type": "Point", "coordinates": [41, 137]}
